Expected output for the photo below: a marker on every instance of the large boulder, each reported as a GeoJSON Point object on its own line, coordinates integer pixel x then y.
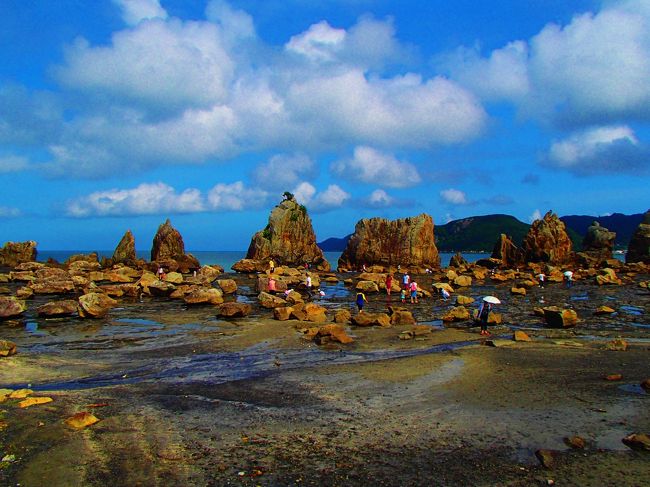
{"type": "Point", "coordinates": [638, 249]}
{"type": "Point", "coordinates": [457, 260]}
{"type": "Point", "coordinates": [371, 319]}
{"type": "Point", "coordinates": [408, 242]}
{"type": "Point", "coordinates": [204, 296]}
{"type": "Point", "coordinates": [332, 333]}
{"type": "Point", "coordinates": [66, 307]}
{"type": "Point", "coordinates": [560, 318]}
{"type": "Point", "coordinates": [288, 239]}
{"type": "Point", "coordinates": [95, 305]}
{"type": "Point", "coordinates": [10, 307]}
{"type": "Point", "coordinates": [270, 301]}
{"type": "Point", "coordinates": [607, 276]}
{"type": "Point", "coordinates": [599, 242]}
{"type": "Point", "coordinates": [457, 313]}
{"type": "Point", "coordinates": [168, 246]}
{"type": "Point", "coordinates": [233, 310]}
{"type": "Point", "coordinates": [14, 253]}
{"type": "Point", "coordinates": [547, 241]}
{"type": "Point", "coordinates": [507, 252]}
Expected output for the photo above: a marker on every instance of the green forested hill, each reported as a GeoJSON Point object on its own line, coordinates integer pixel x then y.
{"type": "Point", "coordinates": [478, 233]}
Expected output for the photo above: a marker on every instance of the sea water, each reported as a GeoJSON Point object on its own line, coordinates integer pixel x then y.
{"type": "Point", "coordinates": [225, 258]}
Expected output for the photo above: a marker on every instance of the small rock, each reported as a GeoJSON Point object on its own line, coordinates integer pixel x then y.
{"type": "Point", "coordinates": [233, 310]}
{"type": "Point", "coordinates": [342, 316]}
{"type": "Point", "coordinates": [560, 318]}
{"type": "Point", "coordinates": [520, 291]}
{"type": "Point", "coordinates": [614, 377]}
{"type": "Point", "coordinates": [464, 300]}
{"type": "Point", "coordinates": [7, 348]}
{"type": "Point", "coordinates": [458, 313]}
{"type": "Point", "coordinates": [637, 441]}
{"type": "Point", "coordinates": [604, 310]}
{"type": "Point", "coordinates": [521, 336]}
{"type": "Point", "coordinates": [546, 457]}
{"type": "Point", "coordinates": [617, 345]}
{"type": "Point", "coordinates": [646, 385]}
{"type": "Point", "coordinates": [81, 420]}
{"type": "Point", "coordinates": [575, 442]}
{"type": "Point", "coordinates": [33, 401]}
{"type": "Point", "coordinates": [20, 394]}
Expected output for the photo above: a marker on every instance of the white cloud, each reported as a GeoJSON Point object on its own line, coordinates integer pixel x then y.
{"type": "Point", "coordinates": [536, 215]}
{"type": "Point", "coordinates": [236, 196]}
{"type": "Point", "coordinates": [236, 24]}
{"type": "Point", "coordinates": [379, 197]}
{"type": "Point", "coordinates": [9, 212]}
{"type": "Point", "coordinates": [284, 171]}
{"type": "Point", "coordinates": [453, 196]}
{"type": "Point", "coordinates": [600, 149]}
{"type": "Point", "coordinates": [146, 199]}
{"type": "Point", "coordinates": [319, 43]}
{"type": "Point", "coordinates": [593, 70]}
{"type": "Point", "coordinates": [10, 164]}
{"type": "Point", "coordinates": [371, 166]}
{"type": "Point", "coordinates": [332, 197]}
{"type": "Point", "coordinates": [157, 63]}
{"type": "Point", "coordinates": [135, 11]}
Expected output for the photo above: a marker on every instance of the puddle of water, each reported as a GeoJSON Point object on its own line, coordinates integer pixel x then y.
{"type": "Point", "coordinates": [631, 310]}
{"type": "Point", "coordinates": [32, 328]}
{"type": "Point", "coordinates": [437, 324]}
{"type": "Point", "coordinates": [138, 321]}
{"type": "Point", "coordinates": [633, 389]}
{"type": "Point", "coordinates": [581, 297]}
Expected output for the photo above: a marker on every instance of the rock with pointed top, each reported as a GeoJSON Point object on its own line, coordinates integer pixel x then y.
{"type": "Point", "coordinates": [457, 260]}
{"type": "Point", "coordinates": [408, 242]}
{"type": "Point", "coordinates": [288, 239]}
{"type": "Point", "coordinates": [125, 251]}
{"type": "Point", "coordinates": [168, 248]}
{"type": "Point", "coordinates": [547, 241]}
{"type": "Point", "coordinates": [507, 252]}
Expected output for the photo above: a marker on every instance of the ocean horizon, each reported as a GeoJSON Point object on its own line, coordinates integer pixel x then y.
{"type": "Point", "coordinates": [226, 258]}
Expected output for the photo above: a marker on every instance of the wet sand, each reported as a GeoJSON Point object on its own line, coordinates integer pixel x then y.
{"type": "Point", "coordinates": [186, 399]}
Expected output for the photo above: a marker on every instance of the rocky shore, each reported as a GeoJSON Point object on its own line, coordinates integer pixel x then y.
{"type": "Point", "coordinates": [167, 372]}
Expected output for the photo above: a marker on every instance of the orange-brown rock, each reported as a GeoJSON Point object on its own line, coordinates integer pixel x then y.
{"type": "Point", "coordinates": [457, 313]}
{"type": "Point", "coordinates": [408, 242]}
{"type": "Point", "coordinates": [638, 250]}
{"type": "Point", "coordinates": [58, 308]}
{"type": "Point", "coordinates": [617, 345]}
{"type": "Point", "coordinates": [575, 442]}
{"type": "Point", "coordinates": [457, 260]}
{"type": "Point", "coordinates": [401, 316]}
{"type": "Point", "coordinates": [95, 305]}
{"type": "Point", "coordinates": [168, 246]}
{"type": "Point", "coordinates": [233, 310]}
{"type": "Point", "coordinates": [597, 245]}
{"type": "Point", "coordinates": [645, 385]}
{"type": "Point", "coordinates": [342, 316]}
{"type": "Point", "coordinates": [547, 241]}
{"type": "Point", "coordinates": [282, 313]}
{"type": "Point", "coordinates": [81, 420]}
{"type": "Point", "coordinates": [507, 252]}
{"type": "Point", "coordinates": [10, 307]}
{"type": "Point", "coordinates": [288, 239]}
{"type": "Point", "coordinates": [125, 251]}
{"type": "Point", "coordinates": [228, 286]}
{"type": "Point", "coordinates": [204, 296]}
{"type": "Point", "coordinates": [560, 318]}
{"type": "Point", "coordinates": [7, 348]}
{"type": "Point", "coordinates": [371, 319]}
{"type": "Point", "coordinates": [521, 336]}
{"type": "Point", "coordinates": [14, 253]}
{"type": "Point", "coordinates": [637, 441]}
{"type": "Point", "coordinates": [332, 332]}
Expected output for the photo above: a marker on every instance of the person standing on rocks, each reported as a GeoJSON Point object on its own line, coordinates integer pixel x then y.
{"type": "Point", "coordinates": [406, 281]}
{"type": "Point", "coordinates": [308, 285]}
{"type": "Point", "coordinates": [271, 266]}
{"type": "Point", "coordinates": [413, 287]}
{"type": "Point", "coordinates": [361, 300]}
{"type": "Point", "coordinates": [483, 315]}
{"type": "Point", "coordinates": [541, 278]}
{"type": "Point", "coordinates": [389, 283]}
{"type": "Point", "coordinates": [272, 288]}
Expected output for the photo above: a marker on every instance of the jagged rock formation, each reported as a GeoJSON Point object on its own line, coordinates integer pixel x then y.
{"type": "Point", "coordinates": [288, 239]}
{"type": "Point", "coordinates": [507, 252]}
{"type": "Point", "coordinates": [457, 260]}
{"type": "Point", "coordinates": [638, 249]}
{"type": "Point", "coordinates": [14, 253]}
{"type": "Point", "coordinates": [408, 242]}
{"type": "Point", "coordinates": [597, 245]}
{"type": "Point", "coordinates": [168, 250]}
{"type": "Point", "coordinates": [125, 251]}
{"type": "Point", "coordinates": [547, 241]}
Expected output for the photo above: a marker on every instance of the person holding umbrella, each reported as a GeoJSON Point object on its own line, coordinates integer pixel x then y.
{"type": "Point", "coordinates": [568, 278]}
{"type": "Point", "coordinates": [484, 312]}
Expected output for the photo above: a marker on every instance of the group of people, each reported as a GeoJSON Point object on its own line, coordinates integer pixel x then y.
{"type": "Point", "coordinates": [567, 277]}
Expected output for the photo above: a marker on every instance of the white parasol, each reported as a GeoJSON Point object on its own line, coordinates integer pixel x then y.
{"type": "Point", "coordinates": [568, 273]}
{"type": "Point", "coordinates": [491, 300]}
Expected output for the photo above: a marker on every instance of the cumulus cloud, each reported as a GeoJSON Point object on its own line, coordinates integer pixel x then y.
{"type": "Point", "coordinates": [9, 212]}
{"type": "Point", "coordinates": [10, 164]}
{"type": "Point", "coordinates": [156, 63]}
{"type": "Point", "coordinates": [284, 171]}
{"type": "Point", "coordinates": [536, 215]}
{"type": "Point", "coordinates": [135, 11]}
{"type": "Point", "coordinates": [318, 43]}
{"type": "Point", "coordinates": [379, 198]}
{"type": "Point", "coordinates": [332, 197]}
{"type": "Point", "coordinates": [371, 166]}
{"type": "Point", "coordinates": [454, 197]}
{"type": "Point", "coordinates": [235, 196]}
{"type": "Point", "coordinates": [146, 199]}
{"type": "Point", "coordinates": [595, 69]}
{"type": "Point", "coordinates": [236, 24]}
{"type": "Point", "coordinates": [611, 149]}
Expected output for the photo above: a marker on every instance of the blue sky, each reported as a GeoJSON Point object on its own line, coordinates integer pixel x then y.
{"type": "Point", "coordinates": [117, 114]}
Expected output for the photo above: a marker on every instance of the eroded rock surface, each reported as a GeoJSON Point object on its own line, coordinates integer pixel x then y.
{"type": "Point", "coordinates": [547, 241]}
{"type": "Point", "coordinates": [14, 253]}
{"type": "Point", "coordinates": [639, 248]}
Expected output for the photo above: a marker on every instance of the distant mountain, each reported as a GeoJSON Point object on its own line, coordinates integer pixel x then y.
{"type": "Point", "coordinates": [334, 244]}
{"type": "Point", "coordinates": [480, 233]}
{"type": "Point", "coordinates": [623, 225]}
